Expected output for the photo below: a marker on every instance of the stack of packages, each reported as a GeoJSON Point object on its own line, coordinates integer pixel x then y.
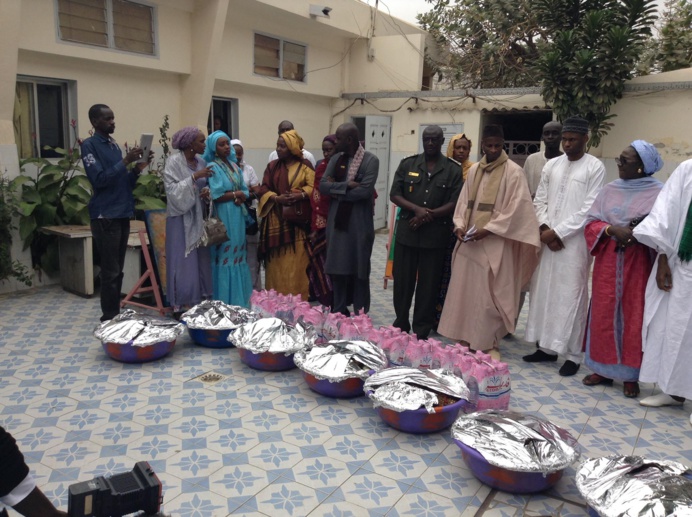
{"type": "Point", "coordinates": [487, 379]}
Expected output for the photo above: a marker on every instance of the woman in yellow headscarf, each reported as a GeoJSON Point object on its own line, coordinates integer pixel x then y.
{"type": "Point", "coordinates": [287, 181]}
{"type": "Point", "coordinates": [459, 149]}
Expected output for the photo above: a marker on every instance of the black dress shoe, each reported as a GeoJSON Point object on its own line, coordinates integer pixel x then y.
{"type": "Point", "coordinates": [569, 368]}
{"type": "Point", "coordinates": [539, 356]}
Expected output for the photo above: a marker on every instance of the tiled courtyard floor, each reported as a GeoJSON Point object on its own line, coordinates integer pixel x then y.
{"type": "Point", "coordinates": [263, 443]}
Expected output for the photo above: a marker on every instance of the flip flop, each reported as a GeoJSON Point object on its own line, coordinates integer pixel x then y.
{"type": "Point", "coordinates": [594, 380]}
{"type": "Point", "coordinates": [631, 389]}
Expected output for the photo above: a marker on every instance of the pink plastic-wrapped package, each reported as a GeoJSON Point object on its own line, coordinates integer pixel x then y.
{"type": "Point", "coordinates": [490, 385]}
{"type": "Point", "coordinates": [398, 346]}
{"type": "Point", "coordinates": [331, 326]}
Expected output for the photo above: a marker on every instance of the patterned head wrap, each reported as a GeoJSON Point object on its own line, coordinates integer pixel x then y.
{"type": "Point", "coordinates": [184, 137]}
{"type": "Point", "coordinates": [450, 147]}
{"type": "Point", "coordinates": [330, 138]}
{"type": "Point", "coordinates": [649, 156]}
{"type": "Point", "coordinates": [293, 142]}
{"type": "Point", "coordinates": [210, 152]}
{"type": "Point", "coordinates": [576, 125]}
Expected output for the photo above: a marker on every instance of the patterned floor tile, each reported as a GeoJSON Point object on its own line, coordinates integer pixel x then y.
{"type": "Point", "coordinates": [265, 420]}
{"type": "Point", "coordinates": [372, 491]}
{"type": "Point", "coordinates": [306, 434]}
{"type": "Point", "coordinates": [423, 504]}
{"type": "Point", "coordinates": [194, 464]}
{"type": "Point", "coordinates": [238, 482]}
{"type": "Point", "coordinates": [274, 456]}
{"type": "Point", "coordinates": [400, 465]}
{"type": "Point", "coordinates": [205, 504]}
{"type": "Point", "coordinates": [292, 499]}
{"type": "Point", "coordinates": [262, 443]}
{"type": "Point", "coordinates": [323, 474]}
{"type": "Point", "coordinates": [350, 448]}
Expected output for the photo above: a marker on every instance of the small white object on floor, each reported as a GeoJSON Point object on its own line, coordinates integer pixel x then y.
{"type": "Point", "coordinates": [662, 399]}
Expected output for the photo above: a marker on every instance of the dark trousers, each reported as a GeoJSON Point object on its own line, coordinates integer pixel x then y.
{"type": "Point", "coordinates": [426, 265]}
{"type": "Point", "coordinates": [110, 242]}
{"type": "Point", "coordinates": [349, 288]}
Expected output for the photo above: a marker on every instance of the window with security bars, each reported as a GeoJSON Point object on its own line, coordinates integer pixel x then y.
{"type": "Point", "coordinates": [275, 57]}
{"type": "Point", "coordinates": [116, 24]}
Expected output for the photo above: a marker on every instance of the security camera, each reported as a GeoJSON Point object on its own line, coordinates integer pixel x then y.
{"type": "Point", "coordinates": [321, 11]}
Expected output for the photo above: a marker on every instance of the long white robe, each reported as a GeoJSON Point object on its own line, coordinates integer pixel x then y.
{"type": "Point", "coordinates": [533, 168]}
{"type": "Point", "coordinates": [667, 330]}
{"type": "Point", "coordinates": [559, 288]}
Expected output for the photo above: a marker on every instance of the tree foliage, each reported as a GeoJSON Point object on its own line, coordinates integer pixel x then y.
{"type": "Point", "coordinates": [580, 52]}
{"type": "Point", "coordinates": [672, 48]}
{"type": "Point", "coordinates": [592, 53]}
{"type": "Point", "coordinates": [485, 43]}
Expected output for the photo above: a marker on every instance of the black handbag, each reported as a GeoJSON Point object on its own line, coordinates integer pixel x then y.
{"type": "Point", "coordinates": [253, 227]}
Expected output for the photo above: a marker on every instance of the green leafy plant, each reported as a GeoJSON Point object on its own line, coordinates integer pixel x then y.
{"type": "Point", "coordinates": [149, 191]}
{"type": "Point", "coordinates": [594, 50]}
{"type": "Point", "coordinates": [8, 207]}
{"type": "Point", "coordinates": [58, 195]}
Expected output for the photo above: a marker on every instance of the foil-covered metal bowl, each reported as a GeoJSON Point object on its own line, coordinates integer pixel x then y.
{"type": "Point", "coordinates": [631, 485]}
{"type": "Point", "coordinates": [269, 343]}
{"type": "Point", "coordinates": [339, 368]}
{"type": "Point", "coordinates": [514, 452]}
{"type": "Point", "coordinates": [132, 337]}
{"type": "Point", "coordinates": [417, 401]}
{"type": "Point", "coordinates": [210, 322]}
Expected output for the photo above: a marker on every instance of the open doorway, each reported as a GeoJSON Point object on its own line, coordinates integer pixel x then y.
{"type": "Point", "coordinates": [522, 129]}
{"type": "Point", "coordinates": [223, 116]}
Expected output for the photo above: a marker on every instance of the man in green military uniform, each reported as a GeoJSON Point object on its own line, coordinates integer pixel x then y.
{"type": "Point", "coordinates": [426, 187]}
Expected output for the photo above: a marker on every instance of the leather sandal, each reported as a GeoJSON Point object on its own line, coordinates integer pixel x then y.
{"type": "Point", "coordinates": [594, 380]}
{"type": "Point", "coordinates": [631, 389]}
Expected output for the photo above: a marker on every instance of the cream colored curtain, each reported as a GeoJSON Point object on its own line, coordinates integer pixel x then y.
{"type": "Point", "coordinates": [24, 130]}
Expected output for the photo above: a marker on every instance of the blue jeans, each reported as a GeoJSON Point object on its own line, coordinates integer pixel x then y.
{"type": "Point", "coordinates": [110, 242]}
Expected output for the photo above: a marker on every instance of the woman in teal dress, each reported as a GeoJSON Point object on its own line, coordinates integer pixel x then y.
{"type": "Point", "coordinates": [230, 271]}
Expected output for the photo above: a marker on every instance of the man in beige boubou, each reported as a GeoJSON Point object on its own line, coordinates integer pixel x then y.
{"type": "Point", "coordinates": [497, 249]}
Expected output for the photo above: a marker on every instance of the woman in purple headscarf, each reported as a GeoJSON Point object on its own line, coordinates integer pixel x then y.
{"type": "Point", "coordinates": [621, 269]}
{"type": "Point", "coordinates": [188, 267]}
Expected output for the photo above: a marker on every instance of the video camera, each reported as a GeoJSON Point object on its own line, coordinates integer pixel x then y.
{"type": "Point", "coordinates": [118, 495]}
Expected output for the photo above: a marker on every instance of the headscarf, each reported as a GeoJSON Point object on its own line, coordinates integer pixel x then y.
{"type": "Point", "coordinates": [235, 141]}
{"type": "Point", "coordinates": [649, 156]}
{"type": "Point", "coordinates": [450, 147]}
{"type": "Point", "coordinates": [294, 143]}
{"type": "Point", "coordinates": [210, 152]}
{"type": "Point", "coordinates": [330, 138]}
{"type": "Point", "coordinates": [183, 138]}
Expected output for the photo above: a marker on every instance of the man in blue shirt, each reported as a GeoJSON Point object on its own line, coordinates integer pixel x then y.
{"type": "Point", "coordinates": [112, 204]}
